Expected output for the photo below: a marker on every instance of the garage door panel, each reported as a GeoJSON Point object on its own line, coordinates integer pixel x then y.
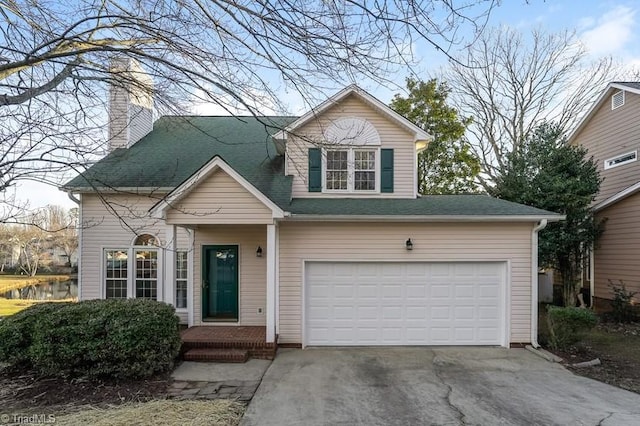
{"type": "Point", "coordinates": [417, 303]}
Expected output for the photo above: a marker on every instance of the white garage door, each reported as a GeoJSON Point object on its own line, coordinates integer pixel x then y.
{"type": "Point", "coordinates": [366, 304]}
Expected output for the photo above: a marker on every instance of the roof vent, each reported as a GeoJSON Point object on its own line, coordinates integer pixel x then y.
{"type": "Point", "coordinates": [617, 100]}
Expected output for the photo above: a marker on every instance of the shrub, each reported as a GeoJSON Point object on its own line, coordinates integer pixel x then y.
{"type": "Point", "coordinates": [622, 309]}
{"type": "Point", "coordinates": [568, 325]}
{"type": "Point", "coordinates": [96, 338]}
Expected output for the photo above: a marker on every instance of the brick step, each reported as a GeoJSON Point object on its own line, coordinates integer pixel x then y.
{"type": "Point", "coordinates": [213, 343]}
{"type": "Point", "coordinates": [216, 355]}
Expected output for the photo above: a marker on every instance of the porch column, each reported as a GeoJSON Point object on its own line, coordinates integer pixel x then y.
{"type": "Point", "coordinates": [170, 265]}
{"type": "Point", "coordinates": [271, 283]}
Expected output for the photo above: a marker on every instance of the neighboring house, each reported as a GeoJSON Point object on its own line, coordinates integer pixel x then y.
{"type": "Point", "coordinates": [611, 133]}
{"type": "Point", "coordinates": [309, 226]}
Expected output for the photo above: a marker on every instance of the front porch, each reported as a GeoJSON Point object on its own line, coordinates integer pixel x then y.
{"type": "Point", "coordinates": [226, 343]}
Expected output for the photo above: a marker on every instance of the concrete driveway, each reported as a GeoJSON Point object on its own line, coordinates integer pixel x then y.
{"type": "Point", "coordinates": [427, 386]}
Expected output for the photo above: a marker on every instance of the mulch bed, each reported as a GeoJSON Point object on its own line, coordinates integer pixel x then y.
{"type": "Point", "coordinates": [616, 367]}
{"type": "Point", "coordinates": [26, 392]}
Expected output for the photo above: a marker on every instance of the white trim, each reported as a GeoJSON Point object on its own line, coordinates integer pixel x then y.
{"type": "Point", "coordinates": [239, 261]}
{"type": "Point", "coordinates": [421, 218]}
{"type": "Point", "coordinates": [592, 272]}
{"type": "Point", "coordinates": [596, 105]}
{"type": "Point", "coordinates": [271, 284]}
{"type": "Point", "coordinates": [351, 170]}
{"type": "Point", "coordinates": [190, 272]}
{"type": "Point", "coordinates": [506, 284]}
{"type": "Point", "coordinates": [103, 265]}
{"type": "Point", "coordinates": [613, 96]}
{"type": "Point", "coordinates": [506, 342]}
{"type": "Point", "coordinates": [145, 232]}
{"type": "Point", "coordinates": [158, 211]}
{"type": "Point", "coordinates": [617, 197]}
{"type": "Point", "coordinates": [277, 277]}
{"type": "Point", "coordinates": [342, 94]}
{"type": "Point", "coordinates": [534, 281]}
{"type": "Point", "coordinates": [80, 247]}
{"type": "Point", "coordinates": [170, 265]}
{"type": "Point", "coordinates": [608, 166]}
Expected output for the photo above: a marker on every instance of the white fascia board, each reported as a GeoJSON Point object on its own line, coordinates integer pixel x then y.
{"type": "Point", "coordinates": [421, 218]}
{"type": "Point", "coordinates": [617, 197]}
{"type": "Point", "coordinates": [159, 209]}
{"type": "Point", "coordinates": [353, 88]}
{"type": "Point", "coordinates": [603, 96]}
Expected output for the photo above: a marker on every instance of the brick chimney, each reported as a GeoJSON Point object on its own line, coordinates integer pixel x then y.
{"type": "Point", "coordinates": [130, 103]}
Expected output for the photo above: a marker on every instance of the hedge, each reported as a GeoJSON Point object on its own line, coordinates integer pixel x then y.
{"type": "Point", "coordinates": [130, 338]}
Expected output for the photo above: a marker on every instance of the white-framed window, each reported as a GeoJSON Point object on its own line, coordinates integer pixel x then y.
{"type": "Point", "coordinates": [181, 278]}
{"type": "Point", "coordinates": [146, 266]}
{"type": "Point", "coordinates": [351, 170]}
{"type": "Point", "coordinates": [337, 170]}
{"type": "Point", "coordinates": [621, 160]}
{"type": "Point", "coordinates": [134, 271]}
{"type": "Point", "coordinates": [116, 273]}
{"type": "Point", "coordinates": [617, 99]}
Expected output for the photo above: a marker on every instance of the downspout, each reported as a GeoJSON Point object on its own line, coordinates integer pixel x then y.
{"type": "Point", "coordinates": [534, 282]}
{"type": "Point", "coordinates": [80, 245]}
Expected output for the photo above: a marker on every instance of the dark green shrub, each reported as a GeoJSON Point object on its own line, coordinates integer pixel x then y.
{"type": "Point", "coordinates": [16, 332]}
{"type": "Point", "coordinates": [622, 309]}
{"type": "Point", "coordinates": [96, 338]}
{"type": "Point", "coordinates": [567, 326]}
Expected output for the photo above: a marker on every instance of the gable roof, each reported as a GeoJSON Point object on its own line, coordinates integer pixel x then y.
{"type": "Point", "coordinates": [628, 86]}
{"type": "Point", "coordinates": [353, 89]}
{"type": "Point", "coordinates": [179, 146]}
{"type": "Point", "coordinates": [217, 163]}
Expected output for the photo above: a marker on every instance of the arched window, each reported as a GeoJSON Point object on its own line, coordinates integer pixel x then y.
{"type": "Point", "coordinates": [146, 240]}
{"type": "Point", "coordinates": [133, 271]}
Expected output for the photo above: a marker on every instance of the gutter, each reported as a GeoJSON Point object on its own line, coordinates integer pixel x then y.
{"type": "Point", "coordinates": [534, 282]}
{"type": "Point", "coordinates": [422, 218]}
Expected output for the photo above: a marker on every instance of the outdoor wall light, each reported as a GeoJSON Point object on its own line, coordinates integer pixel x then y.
{"type": "Point", "coordinates": [259, 252]}
{"type": "Point", "coordinates": [409, 244]}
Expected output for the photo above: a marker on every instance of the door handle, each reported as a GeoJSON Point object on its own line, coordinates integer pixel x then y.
{"type": "Point", "coordinates": [205, 284]}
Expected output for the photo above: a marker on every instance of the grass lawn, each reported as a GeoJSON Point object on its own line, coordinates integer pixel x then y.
{"type": "Point", "coordinates": [11, 306]}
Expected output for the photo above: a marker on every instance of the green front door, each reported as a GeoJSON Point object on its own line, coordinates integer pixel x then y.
{"type": "Point", "coordinates": [220, 283]}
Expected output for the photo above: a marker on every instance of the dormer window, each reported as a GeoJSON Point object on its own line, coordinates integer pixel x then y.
{"type": "Point", "coordinates": [617, 99]}
{"type": "Point", "coordinates": [350, 160]}
{"type": "Point", "coordinates": [351, 170]}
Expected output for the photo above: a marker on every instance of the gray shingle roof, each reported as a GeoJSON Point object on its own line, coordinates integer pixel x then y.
{"type": "Point", "coordinates": [427, 205]}
{"type": "Point", "coordinates": [180, 146]}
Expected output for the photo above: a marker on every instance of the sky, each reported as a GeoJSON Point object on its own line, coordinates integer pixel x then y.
{"type": "Point", "coordinates": [605, 27]}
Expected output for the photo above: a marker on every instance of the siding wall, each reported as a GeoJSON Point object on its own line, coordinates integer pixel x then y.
{"type": "Point", "coordinates": [219, 199]}
{"type": "Point", "coordinates": [391, 136]}
{"type": "Point", "coordinates": [252, 269]}
{"type": "Point", "coordinates": [385, 242]}
{"type": "Point", "coordinates": [609, 133]}
{"type": "Point", "coordinates": [617, 256]}
{"type": "Point", "coordinates": [104, 229]}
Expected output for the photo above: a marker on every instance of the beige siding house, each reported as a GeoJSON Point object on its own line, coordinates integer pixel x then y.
{"type": "Point", "coordinates": [611, 134]}
{"type": "Point", "coordinates": [310, 227]}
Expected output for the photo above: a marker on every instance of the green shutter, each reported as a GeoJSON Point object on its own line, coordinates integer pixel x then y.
{"type": "Point", "coordinates": [315, 170]}
{"type": "Point", "coordinates": [386, 170]}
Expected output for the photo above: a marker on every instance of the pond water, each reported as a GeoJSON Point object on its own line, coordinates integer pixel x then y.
{"type": "Point", "coordinates": [55, 290]}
